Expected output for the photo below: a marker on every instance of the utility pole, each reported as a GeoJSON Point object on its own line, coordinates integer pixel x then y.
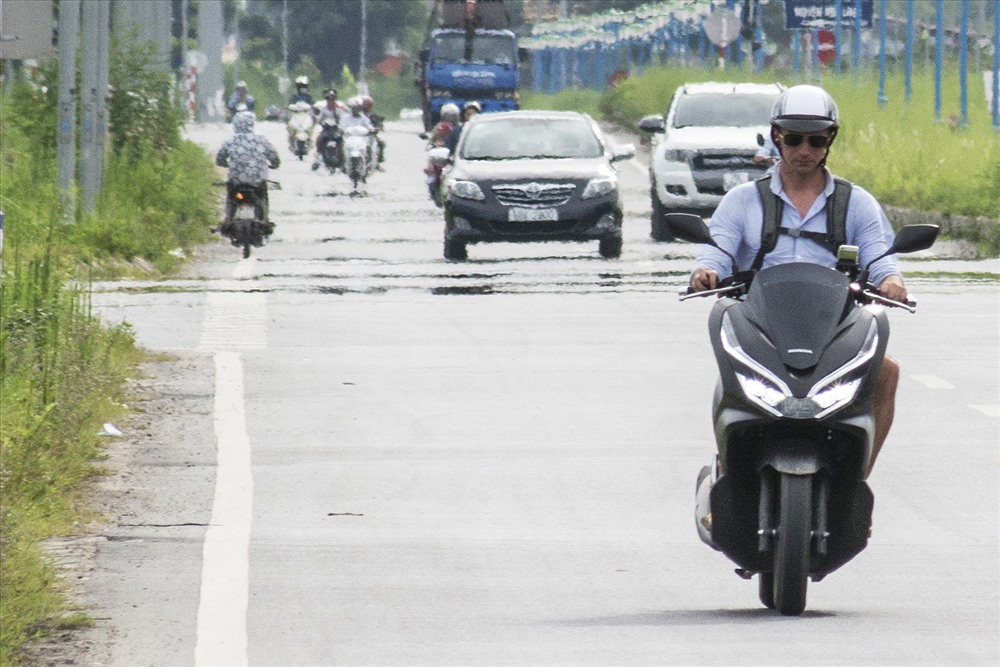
{"type": "Point", "coordinates": [283, 83]}
{"type": "Point", "coordinates": [210, 37]}
{"type": "Point", "coordinates": [90, 97]}
{"type": "Point", "coordinates": [69, 28]}
{"type": "Point", "coordinates": [362, 84]}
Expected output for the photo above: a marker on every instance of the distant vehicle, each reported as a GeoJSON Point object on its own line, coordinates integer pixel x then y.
{"type": "Point", "coordinates": [469, 54]}
{"type": "Point", "coordinates": [533, 176]}
{"type": "Point", "coordinates": [705, 146]}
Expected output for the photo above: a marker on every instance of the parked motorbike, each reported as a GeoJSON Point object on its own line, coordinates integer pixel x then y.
{"type": "Point", "coordinates": [437, 159]}
{"type": "Point", "coordinates": [798, 348]}
{"type": "Point", "coordinates": [246, 223]}
{"type": "Point", "coordinates": [300, 125]}
{"type": "Point", "coordinates": [358, 167]}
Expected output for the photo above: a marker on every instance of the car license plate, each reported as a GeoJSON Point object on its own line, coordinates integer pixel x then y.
{"type": "Point", "coordinates": [731, 179]}
{"type": "Point", "coordinates": [532, 214]}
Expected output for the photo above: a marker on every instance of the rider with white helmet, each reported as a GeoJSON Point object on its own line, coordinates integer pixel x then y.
{"type": "Point", "coordinates": [812, 212]}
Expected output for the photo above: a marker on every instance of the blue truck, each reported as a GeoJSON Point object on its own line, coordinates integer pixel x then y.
{"type": "Point", "coordinates": [469, 54]}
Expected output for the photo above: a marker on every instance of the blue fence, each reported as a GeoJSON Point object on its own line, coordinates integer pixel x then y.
{"type": "Point", "coordinates": [596, 51]}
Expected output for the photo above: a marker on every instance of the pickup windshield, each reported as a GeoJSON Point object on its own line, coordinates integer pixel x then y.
{"type": "Point", "coordinates": [722, 110]}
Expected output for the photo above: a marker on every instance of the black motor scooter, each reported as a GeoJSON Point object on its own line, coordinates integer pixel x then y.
{"type": "Point", "coordinates": [246, 222]}
{"type": "Point", "coordinates": [798, 347]}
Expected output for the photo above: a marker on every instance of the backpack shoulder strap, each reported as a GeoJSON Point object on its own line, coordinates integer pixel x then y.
{"type": "Point", "coordinates": [836, 213]}
{"type": "Point", "coordinates": [773, 207]}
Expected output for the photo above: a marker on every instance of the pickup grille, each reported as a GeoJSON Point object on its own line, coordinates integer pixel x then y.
{"type": "Point", "coordinates": [534, 195]}
{"type": "Point", "coordinates": [708, 168]}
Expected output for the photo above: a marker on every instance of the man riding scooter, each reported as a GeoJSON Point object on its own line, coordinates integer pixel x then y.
{"type": "Point", "coordinates": [329, 117]}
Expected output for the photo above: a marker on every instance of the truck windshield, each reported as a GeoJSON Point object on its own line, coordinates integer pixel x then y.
{"type": "Point", "coordinates": [723, 110]}
{"type": "Point", "coordinates": [486, 49]}
{"type": "Point", "coordinates": [527, 138]}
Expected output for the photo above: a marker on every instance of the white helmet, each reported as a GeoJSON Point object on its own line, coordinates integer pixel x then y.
{"type": "Point", "coordinates": [302, 81]}
{"type": "Point", "coordinates": [805, 109]}
{"type": "Point", "coordinates": [449, 111]}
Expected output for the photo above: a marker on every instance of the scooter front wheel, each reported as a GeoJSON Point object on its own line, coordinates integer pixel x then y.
{"type": "Point", "coordinates": [792, 544]}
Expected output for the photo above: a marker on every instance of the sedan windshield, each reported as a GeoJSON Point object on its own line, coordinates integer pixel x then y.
{"type": "Point", "coordinates": [721, 110]}
{"type": "Point", "coordinates": [527, 138]}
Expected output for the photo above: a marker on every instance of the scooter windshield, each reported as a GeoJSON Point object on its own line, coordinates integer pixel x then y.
{"type": "Point", "coordinates": [800, 307]}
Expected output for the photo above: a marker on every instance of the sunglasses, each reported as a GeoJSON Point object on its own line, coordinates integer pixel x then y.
{"type": "Point", "coordinates": [815, 140]}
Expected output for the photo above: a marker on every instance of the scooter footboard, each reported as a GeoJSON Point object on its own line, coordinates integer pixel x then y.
{"type": "Point", "coordinates": [735, 523]}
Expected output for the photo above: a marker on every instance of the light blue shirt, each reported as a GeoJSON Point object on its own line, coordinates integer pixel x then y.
{"type": "Point", "coordinates": [738, 221]}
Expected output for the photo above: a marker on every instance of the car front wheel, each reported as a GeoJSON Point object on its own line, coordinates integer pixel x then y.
{"type": "Point", "coordinates": [610, 247]}
{"type": "Point", "coordinates": [455, 250]}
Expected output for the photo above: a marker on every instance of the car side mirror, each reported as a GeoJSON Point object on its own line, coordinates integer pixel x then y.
{"type": "Point", "coordinates": [652, 124]}
{"type": "Point", "coordinates": [622, 152]}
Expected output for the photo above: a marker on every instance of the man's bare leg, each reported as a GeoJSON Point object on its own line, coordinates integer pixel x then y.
{"type": "Point", "coordinates": [884, 404]}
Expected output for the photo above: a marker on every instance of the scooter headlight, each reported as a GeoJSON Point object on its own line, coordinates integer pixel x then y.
{"type": "Point", "coordinates": [762, 392]}
{"type": "Point", "coordinates": [763, 388]}
{"type": "Point", "coordinates": [467, 190]}
{"type": "Point", "coordinates": [836, 393]}
{"type": "Point", "coordinates": [839, 388]}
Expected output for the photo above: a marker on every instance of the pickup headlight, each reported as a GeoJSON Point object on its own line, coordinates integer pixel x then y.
{"type": "Point", "coordinates": [675, 155]}
{"type": "Point", "coordinates": [599, 187]}
{"type": "Point", "coordinates": [466, 190]}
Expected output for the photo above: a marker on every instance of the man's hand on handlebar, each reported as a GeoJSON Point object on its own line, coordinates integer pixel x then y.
{"type": "Point", "coordinates": [704, 279]}
{"type": "Point", "coordinates": [893, 288]}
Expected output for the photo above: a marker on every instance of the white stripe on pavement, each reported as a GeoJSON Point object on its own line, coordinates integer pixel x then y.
{"type": "Point", "coordinates": [932, 382]}
{"type": "Point", "coordinates": [988, 410]}
{"type": "Point", "coordinates": [222, 606]}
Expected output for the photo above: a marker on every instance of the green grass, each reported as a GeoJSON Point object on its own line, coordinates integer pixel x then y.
{"type": "Point", "coordinates": [62, 373]}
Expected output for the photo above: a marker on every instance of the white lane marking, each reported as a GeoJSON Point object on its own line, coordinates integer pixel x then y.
{"type": "Point", "coordinates": [234, 321]}
{"type": "Point", "coordinates": [222, 606]}
{"type": "Point", "coordinates": [988, 410]}
{"type": "Point", "coordinates": [932, 382]}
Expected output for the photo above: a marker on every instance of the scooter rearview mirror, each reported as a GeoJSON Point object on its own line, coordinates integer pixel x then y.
{"type": "Point", "coordinates": [690, 227]}
{"type": "Point", "coordinates": [910, 238]}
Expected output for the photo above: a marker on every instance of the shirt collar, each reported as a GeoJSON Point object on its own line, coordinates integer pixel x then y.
{"type": "Point", "coordinates": [777, 187]}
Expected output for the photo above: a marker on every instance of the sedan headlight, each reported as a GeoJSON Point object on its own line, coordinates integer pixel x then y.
{"type": "Point", "coordinates": [467, 190]}
{"type": "Point", "coordinates": [599, 187]}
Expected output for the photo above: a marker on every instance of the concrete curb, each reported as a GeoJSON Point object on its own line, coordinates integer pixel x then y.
{"type": "Point", "coordinates": [981, 230]}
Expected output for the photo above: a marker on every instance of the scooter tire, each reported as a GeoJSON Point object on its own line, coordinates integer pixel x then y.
{"type": "Point", "coordinates": [765, 585]}
{"type": "Point", "coordinates": [792, 544]}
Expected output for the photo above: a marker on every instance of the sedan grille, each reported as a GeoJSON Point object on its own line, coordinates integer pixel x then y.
{"type": "Point", "coordinates": [534, 194]}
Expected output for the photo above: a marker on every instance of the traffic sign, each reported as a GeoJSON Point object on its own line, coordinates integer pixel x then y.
{"type": "Point", "coordinates": [722, 27]}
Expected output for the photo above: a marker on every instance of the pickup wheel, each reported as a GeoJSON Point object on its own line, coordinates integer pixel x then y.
{"type": "Point", "coordinates": [659, 230]}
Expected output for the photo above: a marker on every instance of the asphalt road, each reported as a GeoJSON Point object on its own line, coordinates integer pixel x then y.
{"type": "Point", "coordinates": [352, 451]}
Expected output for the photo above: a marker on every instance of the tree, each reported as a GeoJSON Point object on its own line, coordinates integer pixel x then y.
{"type": "Point", "coordinates": [330, 30]}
